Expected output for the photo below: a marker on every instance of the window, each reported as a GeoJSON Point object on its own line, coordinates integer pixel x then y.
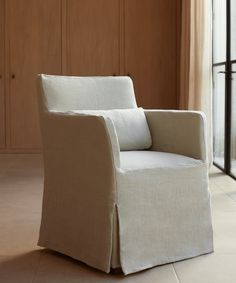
{"type": "Point", "coordinates": [224, 85]}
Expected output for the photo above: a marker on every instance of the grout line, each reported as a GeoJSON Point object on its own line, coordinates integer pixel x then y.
{"type": "Point", "coordinates": [218, 254]}
{"type": "Point", "coordinates": [228, 195]}
{"type": "Point", "coordinates": [175, 272]}
{"type": "Point", "coordinates": [219, 186]}
{"type": "Point", "coordinates": [225, 193]}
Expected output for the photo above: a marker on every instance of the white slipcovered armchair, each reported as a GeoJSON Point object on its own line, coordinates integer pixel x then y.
{"type": "Point", "coordinates": [112, 208]}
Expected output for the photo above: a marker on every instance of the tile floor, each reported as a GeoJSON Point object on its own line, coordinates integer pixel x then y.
{"type": "Point", "coordinates": [21, 261]}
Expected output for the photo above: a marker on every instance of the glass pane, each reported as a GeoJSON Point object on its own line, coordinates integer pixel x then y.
{"type": "Point", "coordinates": [219, 114]}
{"type": "Point", "coordinates": [233, 29]}
{"type": "Point", "coordinates": [233, 122]}
{"type": "Point", "coordinates": [219, 30]}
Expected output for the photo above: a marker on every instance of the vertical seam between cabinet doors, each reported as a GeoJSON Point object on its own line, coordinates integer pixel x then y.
{"type": "Point", "coordinates": [119, 34]}
{"type": "Point", "coordinates": [178, 46]}
{"type": "Point", "coordinates": [124, 37]}
{"type": "Point", "coordinates": [7, 79]}
{"type": "Point", "coordinates": [64, 37]}
{"type": "Point", "coordinates": [61, 37]}
{"type": "Point", "coordinates": [5, 74]}
{"type": "Point", "coordinates": [67, 40]}
{"type": "Point", "coordinates": [3, 23]}
{"type": "Point", "coordinates": [121, 37]}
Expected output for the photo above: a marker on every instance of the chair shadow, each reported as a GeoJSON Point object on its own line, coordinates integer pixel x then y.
{"type": "Point", "coordinates": [46, 266]}
{"type": "Point", "coordinates": [216, 174]}
{"type": "Point", "coordinates": [50, 266]}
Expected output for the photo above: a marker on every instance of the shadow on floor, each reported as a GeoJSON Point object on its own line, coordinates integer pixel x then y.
{"type": "Point", "coordinates": [46, 266]}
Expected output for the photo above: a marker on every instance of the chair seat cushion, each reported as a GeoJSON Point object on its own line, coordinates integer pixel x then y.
{"type": "Point", "coordinates": [147, 159]}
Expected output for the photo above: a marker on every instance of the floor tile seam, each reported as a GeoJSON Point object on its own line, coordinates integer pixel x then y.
{"type": "Point", "coordinates": [225, 193]}
{"type": "Point", "coordinates": [175, 272]}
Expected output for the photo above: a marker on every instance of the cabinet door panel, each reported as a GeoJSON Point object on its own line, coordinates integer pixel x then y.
{"type": "Point", "coordinates": [151, 51]}
{"type": "Point", "coordinates": [92, 37]}
{"type": "Point", "coordinates": [2, 73]}
{"type": "Point", "coordinates": [34, 35]}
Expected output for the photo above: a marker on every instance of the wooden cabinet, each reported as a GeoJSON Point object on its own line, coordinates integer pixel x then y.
{"type": "Point", "coordinates": [86, 38]}
{"type": "Point", "coordinates": [2, 75]}
{"type": "Point", "coordinates": [92, 37]}
{"type": "Point", "coordinates": [34, 36]}
{"type": "Point", "coordinates": [126, 37]}
{"type": "Point", "coordinates": [151, 46]}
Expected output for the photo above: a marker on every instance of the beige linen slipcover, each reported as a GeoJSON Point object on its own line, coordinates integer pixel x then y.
{"type": "Point", "coordinates": [112, 208]}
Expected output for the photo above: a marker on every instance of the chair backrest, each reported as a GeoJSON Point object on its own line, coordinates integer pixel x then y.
{"type": "Point", "coordinates": [64, 93]}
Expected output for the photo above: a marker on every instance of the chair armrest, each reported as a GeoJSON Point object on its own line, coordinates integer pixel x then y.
{"type": "Point", "coordinates": [180, 132]}
{"type": "Point", "coordinates": [82, 132]}
{"type": "Point", "coordinates": [80, 156]}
